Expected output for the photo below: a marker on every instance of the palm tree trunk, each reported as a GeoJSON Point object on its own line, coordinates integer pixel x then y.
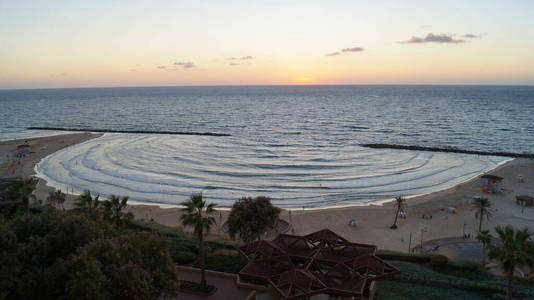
{"type": "Point", "coordinates": [480, 222]}
{"type": "Point", "coordinates": [396, 217]}
{"type": "Point", "coordinates": [202, 261]}
{"type": "Point", "coordinates": [483, 255]}
{"type": "Point", "coordinates": [510, 277]}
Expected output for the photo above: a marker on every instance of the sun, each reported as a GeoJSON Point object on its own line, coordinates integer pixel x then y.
{"type": "Point", "coordinates": [305, 80]}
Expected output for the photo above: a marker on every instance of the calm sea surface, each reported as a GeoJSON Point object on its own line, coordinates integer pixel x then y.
{"type": "Point", "coordinates": [297, 144]}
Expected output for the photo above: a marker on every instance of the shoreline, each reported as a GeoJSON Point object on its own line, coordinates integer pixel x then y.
{"type": "Point", "coordinates": [373, 218]}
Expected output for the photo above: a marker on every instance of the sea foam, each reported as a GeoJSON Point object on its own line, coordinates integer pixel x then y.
{"type": "Point", "coordinates": [166, 169]}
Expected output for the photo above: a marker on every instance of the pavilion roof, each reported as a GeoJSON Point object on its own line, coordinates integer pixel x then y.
{"type": "Point", "coordinates": [320, 262]}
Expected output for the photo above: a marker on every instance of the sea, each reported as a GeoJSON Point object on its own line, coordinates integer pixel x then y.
{"type": "Point", "coordinates": [299, 145]}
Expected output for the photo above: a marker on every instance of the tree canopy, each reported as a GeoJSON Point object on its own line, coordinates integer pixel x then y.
{"type": "Point", "coordinates": [71, 255]}
{"type": "Point", "coordinates": [251, 217]}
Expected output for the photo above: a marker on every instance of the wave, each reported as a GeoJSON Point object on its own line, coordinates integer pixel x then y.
{"type": "Point", "coordinates": [166, 169]}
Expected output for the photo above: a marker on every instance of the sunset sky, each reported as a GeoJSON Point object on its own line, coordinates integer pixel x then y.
{"type": "Point", "coordinates": [155, 43]}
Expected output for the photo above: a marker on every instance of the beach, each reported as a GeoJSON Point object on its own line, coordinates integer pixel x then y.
{"type": "Point", "coordinates": [373, 221]}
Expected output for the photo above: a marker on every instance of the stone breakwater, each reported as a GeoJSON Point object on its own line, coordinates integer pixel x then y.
{"type": "Point", "coordinates": [128, 131]}
{"type": "Point", "coordinates": [450, 150]}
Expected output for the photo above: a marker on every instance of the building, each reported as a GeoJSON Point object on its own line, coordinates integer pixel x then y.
{"type": "Point", "coordinates": [491, 183]}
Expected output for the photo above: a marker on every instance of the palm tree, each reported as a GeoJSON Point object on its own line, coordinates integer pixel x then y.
{"type": "Point", "coordinates": [483, 209]}
{"type": "Point", "coordinates": [516, 250]}
{"type": "Point", "coordinates": [21, 190]}
{"type": "Point", "coordinates": [113, 208]}
{"type": "Point", "coordinates": [196, 214]}
{"type": "Point", "coordinates": [484, 237]}
{"type": "Point", "coordinates": [56, 198]}
{"type": "Point", "coordinates": [86, 202]}
{"type": "Point", "coordinates": [400, 204]}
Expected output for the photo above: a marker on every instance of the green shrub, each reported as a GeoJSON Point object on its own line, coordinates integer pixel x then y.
{"type": "Point", "coordinates": [401, 256]}
{"type": "Point", "coordinates": [181, 254]}
{"type": "Point", "coordinates": [439, 262]}
{"type": "Point", "coordinates": [465, 265]}
{"type": "Point", "coordinates": [225, 263]}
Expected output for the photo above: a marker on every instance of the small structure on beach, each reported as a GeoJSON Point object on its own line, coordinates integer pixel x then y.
{"type": "Point", "coordinates": [524, 200]}
{"type": "Point", "coordinates": [491, 183]}
{"type": "Point", "coordinates": [320, 263]}
{"type": "Point", "coordinates": [22, 150]}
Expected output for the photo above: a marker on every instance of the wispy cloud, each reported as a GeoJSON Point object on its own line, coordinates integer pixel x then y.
{"type": "Point", "coordinates": [353, 49]}
{"type": "Point", "coordinates": [248, 57]}
{"type": "Point", "coordinates": [345, 51]}
{"type": "Point", "coordinates": [433, 38]}
{"type": "Point", "coordinates": [471, 36]}
{"type": "Point", "coordinates": [185, 64]}
{"type": "Point", "coordinates": [161, 67]}
{"type": "Point", "coordinates": [234, 64]}
{"type": "Point", "coordinates": [333, 54]}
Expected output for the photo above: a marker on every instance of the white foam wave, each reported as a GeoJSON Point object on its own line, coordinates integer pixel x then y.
{"type": "Point", "coordinates": [165, 169]}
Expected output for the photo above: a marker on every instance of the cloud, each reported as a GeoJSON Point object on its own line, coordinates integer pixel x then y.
{"type": "Point", "coordinates": [161, 67]}
{"type": "Point", "coordinates": [234, 64]}
{"type": "Point", "coordinates": [433, 38]}
{"type": "Point", "coordinates": [471, 36]}
{"type": "Point", "coordinates": [333, 54]}
{"type": "Point", "coordinates": [185, 64]}
{"type": "Point", "coordinates": [248, 57]}
{"type": "Point", "coordinates": [354, 49]}
{"type": "Point", "coordinates": [345, 51]}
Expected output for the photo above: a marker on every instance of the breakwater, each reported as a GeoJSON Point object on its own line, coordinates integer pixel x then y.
{"type": "Point", "coordinates": [450, 150]}
{"type": "Point", "coordinates": [128, 131]}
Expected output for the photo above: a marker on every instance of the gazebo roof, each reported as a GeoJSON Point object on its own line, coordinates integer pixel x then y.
{"type": "Point", "coordinates": [318, 263]}
{"type": "Point", "coordinates": [492, 177]}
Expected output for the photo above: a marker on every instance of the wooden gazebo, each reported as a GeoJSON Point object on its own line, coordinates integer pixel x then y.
{"type": "Point", "coordinates": [299, 267]}
{"type": "Point", "coordinates": [524, 200]}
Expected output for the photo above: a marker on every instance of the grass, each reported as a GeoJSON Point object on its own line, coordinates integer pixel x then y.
{"type": "Point", "coordinates": [391, 290]}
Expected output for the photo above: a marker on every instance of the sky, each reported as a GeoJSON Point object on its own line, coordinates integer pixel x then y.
{"type": "Point", "coordinates": [52, 44]}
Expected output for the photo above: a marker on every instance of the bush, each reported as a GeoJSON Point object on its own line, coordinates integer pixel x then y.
{"type": "Point", "coordinates": [225, 263]}
{"type": "Point", "coordinates": [439, 262]}
{"type": "Point", "coordinates": [465, 265]}
{"type": "Point", "coordinates": [182, 255]}
{"type": "Point", "coordinates": [401, 256]}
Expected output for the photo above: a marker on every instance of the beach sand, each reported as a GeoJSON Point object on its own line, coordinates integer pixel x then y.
{"type": "Point", "coordinates": [373, 220]}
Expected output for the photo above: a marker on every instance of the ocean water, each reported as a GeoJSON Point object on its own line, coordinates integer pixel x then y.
{"type": "Point", "coordinates": [297, 144]}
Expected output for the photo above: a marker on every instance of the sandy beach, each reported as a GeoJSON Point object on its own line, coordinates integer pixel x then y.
{"type": "Point", "coordinates": [373, 220]}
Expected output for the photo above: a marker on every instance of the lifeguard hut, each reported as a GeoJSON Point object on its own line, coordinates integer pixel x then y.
{"type": "Point", "coordinates": [491, 183]}
{"type": "Point", "coordinates": [22, 150]}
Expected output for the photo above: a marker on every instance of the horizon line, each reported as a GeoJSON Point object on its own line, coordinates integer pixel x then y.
{"type": "Point", "coordinates": [267, 85]}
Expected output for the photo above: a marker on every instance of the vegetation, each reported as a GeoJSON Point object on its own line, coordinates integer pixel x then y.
{"type": "Point", "coordinates": [516, 249]}
{"type": "Point", "coordinates": [482, 207]}
{"type": "Point", "coordinates": [252, 217]}
{"type": "Point", "coordinates": [400, 204]}
{"type": "Point", "coordinates": [225, 263]}
{"type": "Point", "coordinates": [196, 214]}
{"type": "Point", "coordinates": [484, 237]}
{"type": "Point", "coordinates": [21, 191]}
{"type": "Point", "coordinates": [66, 254]}
{"type": "Point", "coordinates": [113, 210]}
{"type": "Point", "coordinates": [46, 253]}
{"type": "Point", "coordinates": [85, 202]}
{"type": "Point", "coordinates": [56, 198]}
